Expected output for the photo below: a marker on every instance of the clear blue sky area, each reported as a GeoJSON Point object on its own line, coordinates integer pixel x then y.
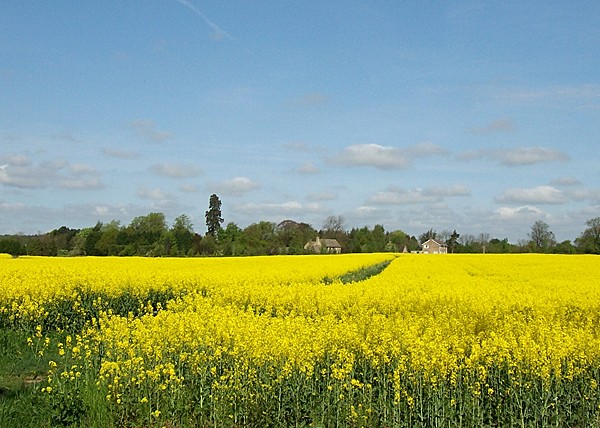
{"type": "Point", "coordinates": [480, 116]}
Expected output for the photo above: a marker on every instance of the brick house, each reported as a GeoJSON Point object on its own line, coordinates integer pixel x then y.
{"type": "Point", "coordinates": [431, 246]}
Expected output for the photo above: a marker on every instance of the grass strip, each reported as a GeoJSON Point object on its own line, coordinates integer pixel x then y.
{"type": "Point", "coordinates": [361, 274]}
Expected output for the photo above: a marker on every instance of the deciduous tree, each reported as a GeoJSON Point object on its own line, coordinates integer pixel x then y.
{"type": "Point", "coordinates": [182, 232]}
{"type": "Point", "coordinates": [541, 236]}
{"type": "Point", "coordinates": [589, 240]}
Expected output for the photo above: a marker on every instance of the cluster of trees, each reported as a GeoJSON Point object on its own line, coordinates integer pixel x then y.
{"type": "Point", "coordinates": [150, 235]}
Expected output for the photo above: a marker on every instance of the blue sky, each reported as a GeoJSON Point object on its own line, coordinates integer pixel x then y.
{"type": "Point", "coordinates": [477, 116]}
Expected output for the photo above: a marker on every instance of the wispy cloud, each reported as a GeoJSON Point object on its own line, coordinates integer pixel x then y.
{"type": "Point", "coordinates": [384, 157]}
{"type": "Point", "coordinates": [531, 155]}
{"type": "Point", "coordinates": [310, 99]}
{"type": "Point", "coordinates": [584, 96]}
{"type": "Point", "coordinates": [565, 182]}
{"type": "Point", "coordinates": [120, 154]}
{"type": "Point", "coordinates": [218, 33]}
{"type": "Point", "coordinates": [271, 210]}
{"type": "Point", "coordinates": [146, 129]}
{"type": "Point", "coordinates": [308, 168]}
{"type": "Point", "coordinates": [156, 194]}
{"type": "Point", "coordinates": [80, 176]}
{"type": "Point", "coordinates": [518, 156]}
{"type": "Point", "coordinates": [66, 137]}
{"type": "Point", "coordinates": [19, 172]}
{"type": "Point", "coordinates": [189, 188]}
{"type": "Point", "coordinates": [494, 127]}
{"type": "Point", "coordinates": [374, 155]}
{"type": "Point", "coordinates": [175, 170]}
{"type": "Point", "coordinates": [321, 196]}
{"type": "Point", "coordinates": [402, 196]}
{"type": "Point", "coordinates": [535, 195]}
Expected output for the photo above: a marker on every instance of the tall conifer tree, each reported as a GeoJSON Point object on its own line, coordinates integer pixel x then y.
{"type": "Point", "coordinates": [213, 215]}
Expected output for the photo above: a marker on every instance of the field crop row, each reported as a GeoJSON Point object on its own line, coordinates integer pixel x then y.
{"type": "Point", "coordinates": [456, 340]}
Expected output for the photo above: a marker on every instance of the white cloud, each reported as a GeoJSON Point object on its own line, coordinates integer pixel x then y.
{"type": "Point", "coordinates": [554, 93]}
{"type": "Point", "coordinates": [526, 212]}
{"type": "Point", "coordinates": [535, 195]}
{"type": "Point", "coordinates": [308, 168]}
{"type": "Point", "coordinates": [19, 176]}
{"type": "Point", "coordinates": [235, 187]}
{"type": "Point", "coordinates": [82, 183]}
{"type": "Point", "coordinates": [20, 172]}
{"type": "Point", "coordinates": [424, 149]}
{"type": "Point", "coordinates": [82, 177]}
{"type": "Point", "coordinates": [382, 157]}
{"type": "Point", "coordinates": [146, 129]}
{"type": "Point", "coordinates": [565, 182]}
{"type": "Point", "coordinates": [581, 194]}
{"type": "Point", "coordinates": [297, 146]}
{"type": "Point", "coordinates": [270, 210]}
{"type": "Point", "coordinates": [530, 156]}
{"type": "Point", "coordinates": [321, 196]}
{"type": "Point", "coordinates": [121, 154]}
{"type": "Point", "coordinates": [519, 156]}
{"type": "Point", "coordinates": [18, 160]}
{"type": "Point", "coordinates": [385, 157]}
{"type": "Point", "coordinates": [454, 190]}
{"type": "Point", "coordinates": [155, 194]}
{"type": "Point", "coordinates": [401, 196]}
{"type": "Point", "coordinates": [189, 188]}
{"type": "Point", "coordinates": [101, 210]}
{"type": "Point", "coordinates": [12, 208]}
{"type": "Point", "coordinates": [309, 100]}
{"type": "Point", "coordinates": [496, 126]}
{"type": "Point", "coordinates": [174, 170]}
{"type": "Point", "coordinates": [369, 214]}
{"type": "Point", "coordinates": [218, 34]}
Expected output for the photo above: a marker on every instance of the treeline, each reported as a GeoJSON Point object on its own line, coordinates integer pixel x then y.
{"type": "Point", "coordinates": [151, 236]}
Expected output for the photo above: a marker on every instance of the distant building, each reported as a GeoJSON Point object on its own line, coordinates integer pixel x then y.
{"type": "Point", "coordinates": [431, 246]}
{"type": "Point", "coordinates": [324, 246]}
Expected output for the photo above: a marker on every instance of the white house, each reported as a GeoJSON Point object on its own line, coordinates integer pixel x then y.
{"type": "Point", "coordinates": [431, 246]}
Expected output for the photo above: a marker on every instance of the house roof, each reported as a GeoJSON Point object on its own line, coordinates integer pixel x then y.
{"type": "Point", "coordinates": [330, 243]}
{"type": "Point", "coordinates": [434, 241]}
{"type": "Point", "coordinates": [318, 243]}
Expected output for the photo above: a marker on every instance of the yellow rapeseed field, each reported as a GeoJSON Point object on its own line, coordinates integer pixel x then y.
{"type": "Point", "coordinates": [444, 340]}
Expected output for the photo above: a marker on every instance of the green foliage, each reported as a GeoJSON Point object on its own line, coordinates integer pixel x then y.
{"type": "Point", "coordinates": [149, 236]}
{"type": "Point", "coordinates": [75, 312]}
{"type": "Point", "coordinates": [359, 275]}
{"type": "Point", "coordinates": [213, 215]}
{"type": "Point", "coordinates": [182, 233]}
{"type": "Point", "coordinates": [541, 237]}
{"type": "Point", "coordinates": [430, 234]}
{"type": "Point", "coordinates": [67, 409]}
{"type": "Point", "coordinates": [259, 239]}
{"type": "Point", "coordinates": [453, 241]}
{"type": "Point", "coordinates": [292, 236]}
{"type": "Point", "coordinates": [11, 246]}
{"type": "Point", "coordinates": [22, 371]}
{"type": "Point", "coordinates": [589, 241]}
